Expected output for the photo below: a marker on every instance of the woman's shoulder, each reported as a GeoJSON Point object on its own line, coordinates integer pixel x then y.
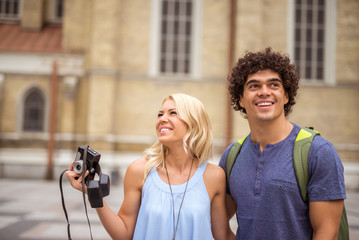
{"type": "Point", "coordinates": [215, 180]}
{"type": "Point", "coordinates": [214, 172]}
{"type": "Point", "coordinates": [136, 169]}
{"type": "Point", "coordinates": [138, 163]}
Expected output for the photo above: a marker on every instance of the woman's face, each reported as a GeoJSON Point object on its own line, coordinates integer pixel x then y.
{"type": "Point", "coordinates": [169, 127]}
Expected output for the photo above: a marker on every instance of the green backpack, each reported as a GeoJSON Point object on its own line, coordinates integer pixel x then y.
{"type": "Point", "coordinates": [300, 160]}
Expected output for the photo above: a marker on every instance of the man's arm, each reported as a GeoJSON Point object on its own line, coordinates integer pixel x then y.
{"type": "Point", "coordinates": [231, 206]}
{"type": "Point", "coordinates": [325, 218]}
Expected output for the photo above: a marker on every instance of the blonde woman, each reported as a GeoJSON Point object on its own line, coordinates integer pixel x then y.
{"type": "Point", "coordinates": [172, 192]}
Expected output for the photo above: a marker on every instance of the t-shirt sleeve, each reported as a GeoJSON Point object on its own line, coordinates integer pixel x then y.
{"type": "Point", "coordinates": [222, 164]}
{"type": "Point", "coordinates": [326, 172]}
{"type": "Point", "coordinates": [223, 160]}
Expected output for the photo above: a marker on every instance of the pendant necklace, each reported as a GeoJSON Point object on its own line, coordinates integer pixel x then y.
{"type": "Point", "coordinates": [173, 203]}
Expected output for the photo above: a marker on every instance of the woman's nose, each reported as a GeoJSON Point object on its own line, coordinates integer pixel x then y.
{"type": "Point", "coordinates": [163, 117]}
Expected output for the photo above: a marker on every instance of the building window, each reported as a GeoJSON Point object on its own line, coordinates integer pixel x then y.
{"type": "Point", "coordinates": [309, 49]}
{"type": "Point", "coordinates": [175, 39]}
{"type": "Point", "coordinates": [59, 8]}
{"type": "Point", "coordinates": [9, 9]}
{"type": "Point", "coordinates": [55, 11]}
{"type": "Point", "coordinates": [312, 39]}
{"type": "Point", "coordinates": [176, 32]}
{"type": "Point", "coordinates": [34, 111]}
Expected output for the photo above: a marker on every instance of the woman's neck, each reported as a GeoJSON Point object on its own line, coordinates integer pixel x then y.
{"type": "Point", "coordinates": [178, 161]}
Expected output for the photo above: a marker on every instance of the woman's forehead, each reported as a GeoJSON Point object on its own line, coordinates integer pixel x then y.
{"type": "Point", "coordinates": [168, 104]}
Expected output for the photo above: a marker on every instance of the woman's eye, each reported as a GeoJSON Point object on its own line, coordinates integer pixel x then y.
{"type": "Point", "coordinates": [173, 113]}
{"type": "Point", "coordinates": [159, 115]}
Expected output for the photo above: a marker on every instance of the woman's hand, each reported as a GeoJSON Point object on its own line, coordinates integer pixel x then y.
{"type": "Point", "coordinates": [75, 179]}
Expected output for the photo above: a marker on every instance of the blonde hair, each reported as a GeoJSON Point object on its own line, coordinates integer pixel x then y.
{"type": "Point", "coordinates": [197, 143]}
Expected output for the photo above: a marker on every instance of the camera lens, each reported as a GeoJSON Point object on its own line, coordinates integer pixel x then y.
{"type": "Point", "coordinates": [77, 167]}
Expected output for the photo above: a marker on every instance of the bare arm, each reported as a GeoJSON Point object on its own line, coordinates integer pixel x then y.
{"type": "Point", "coordinates": [231, 206]}
{"type": "Point", "coordinates": [121, 225]}
{"type": "Point", "coordinates": [325, 218]}
{"type": "Point", "coordinates": [215, 183]}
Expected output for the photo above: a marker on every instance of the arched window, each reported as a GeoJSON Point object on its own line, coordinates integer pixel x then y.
{"type": "Point", "coordinates": [34, 111]}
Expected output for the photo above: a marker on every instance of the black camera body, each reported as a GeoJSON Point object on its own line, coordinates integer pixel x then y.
{"type": "Point", "coordinates": [96, 189]}
{"type": "Point", "coordinates": [91, 163]}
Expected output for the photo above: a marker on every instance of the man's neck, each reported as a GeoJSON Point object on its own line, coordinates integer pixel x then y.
{"type": "Point", "coordinates": [270, 132]}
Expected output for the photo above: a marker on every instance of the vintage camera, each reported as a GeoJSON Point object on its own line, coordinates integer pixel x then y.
{"type": "Point", "coordinates": [90, 164]}
{"type": "Point", "coordinates": [96, 189]}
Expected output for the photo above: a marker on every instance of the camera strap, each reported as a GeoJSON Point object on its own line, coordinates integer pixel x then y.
{"type": "Point", "coordinates": [83, 189]}
{"type": "Point", "coordinates": [83, 198]}
{"type": "Point", "coordinates": [64, 207]}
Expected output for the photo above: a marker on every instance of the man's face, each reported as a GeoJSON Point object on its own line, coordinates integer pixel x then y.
{"type": "Point", "coordinates": [264, 96]}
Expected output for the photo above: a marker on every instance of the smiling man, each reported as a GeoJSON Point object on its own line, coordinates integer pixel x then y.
{"type": "Point", "coordinates": [262, 186]}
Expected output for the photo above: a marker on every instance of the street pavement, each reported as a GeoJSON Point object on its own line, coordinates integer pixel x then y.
{"type": "Point", "coordinates": [32, 210]}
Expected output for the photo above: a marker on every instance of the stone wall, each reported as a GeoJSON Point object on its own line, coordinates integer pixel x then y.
{"type": "Point", "coordinates": [114, 100]}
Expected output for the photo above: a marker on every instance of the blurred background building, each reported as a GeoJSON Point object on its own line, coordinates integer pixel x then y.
{"type": "Point", "coordinates": [76, 72]}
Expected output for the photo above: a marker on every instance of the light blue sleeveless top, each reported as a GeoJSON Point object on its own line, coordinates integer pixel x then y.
{"type": "Point", "coordinates": [155, 218]}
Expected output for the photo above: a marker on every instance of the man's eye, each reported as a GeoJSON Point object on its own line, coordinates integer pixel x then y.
{"type": "Point", "coordinates": [253, 86]}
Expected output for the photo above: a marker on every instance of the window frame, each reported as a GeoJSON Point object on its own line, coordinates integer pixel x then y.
{"type": "Point", "coordinates": [329, 77]}
{"type": "Point", "coordinates": [52, 11]}
{"type": "Point", "coordinates": [155, 43]}
{"type": "Point", "coordinates": [4, 17]}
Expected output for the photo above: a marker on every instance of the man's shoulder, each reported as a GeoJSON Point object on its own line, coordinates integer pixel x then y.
{"type": "Point", "coordinates": [226, 151]}
{"type": "Point", "coordinates": [318, 141]}
{"type": "Point", "coordinates": [320, 144]}
{"type": "Point", "coordinates": [223, 160]}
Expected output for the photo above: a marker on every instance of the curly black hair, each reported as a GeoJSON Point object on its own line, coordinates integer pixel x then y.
{"type": "Point", "coordinates": [253, 62]}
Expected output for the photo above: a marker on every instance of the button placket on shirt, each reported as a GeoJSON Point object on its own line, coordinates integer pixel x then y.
{"type": "Point", "coordinates": [259, 168]}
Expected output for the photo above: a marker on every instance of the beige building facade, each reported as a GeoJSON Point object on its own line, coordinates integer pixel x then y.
{"type": "Point", "coordinates": [104, 81]}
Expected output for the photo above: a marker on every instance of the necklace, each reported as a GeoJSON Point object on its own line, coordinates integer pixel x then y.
{"type": "Point", "coordinates": [173, 202]}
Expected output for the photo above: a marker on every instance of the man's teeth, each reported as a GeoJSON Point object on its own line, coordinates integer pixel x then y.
{"type": "Point", "coordinates": [164, 130]}
{"type": "Point", "coordinates": [264, 104]}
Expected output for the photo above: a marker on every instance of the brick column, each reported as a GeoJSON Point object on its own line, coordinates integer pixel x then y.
{"type": "Point", "coordinates": [102, 73]}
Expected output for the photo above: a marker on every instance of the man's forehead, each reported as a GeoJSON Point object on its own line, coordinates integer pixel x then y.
{"type": "Point", "coordinates": [264, 75]}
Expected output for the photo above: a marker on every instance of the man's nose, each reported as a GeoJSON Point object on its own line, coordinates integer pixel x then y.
{"type": "Point", "coordinates": [264, 90]}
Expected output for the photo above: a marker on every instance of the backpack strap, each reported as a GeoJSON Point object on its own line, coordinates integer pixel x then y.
{"type": "Point", "coordinates": [343, 233]}
{"type": "Point", "coordinates": [232, 156]}
{"type": "Point", "coordinates": [300, 158]}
